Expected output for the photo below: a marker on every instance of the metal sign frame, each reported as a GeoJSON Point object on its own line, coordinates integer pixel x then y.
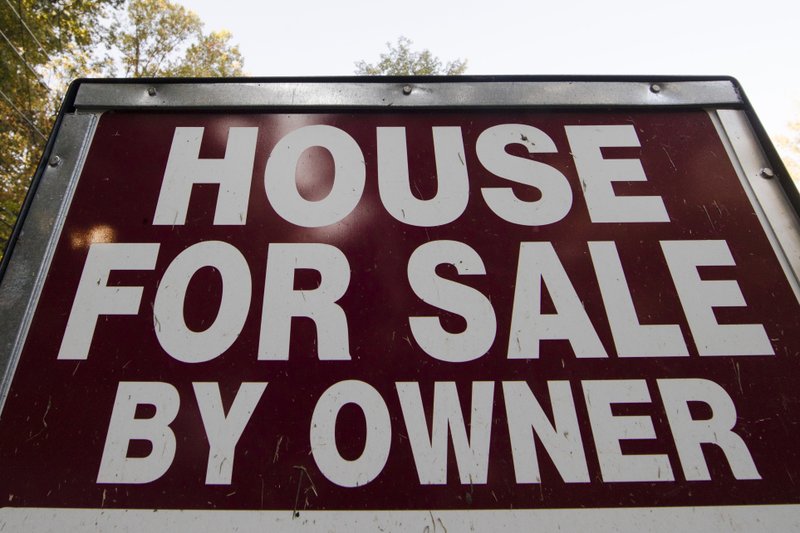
{"type": "Point", "coordinates": [33, 241]}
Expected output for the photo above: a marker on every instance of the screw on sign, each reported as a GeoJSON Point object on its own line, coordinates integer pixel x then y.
{"type": "Point", "coordinates": [479, 310]}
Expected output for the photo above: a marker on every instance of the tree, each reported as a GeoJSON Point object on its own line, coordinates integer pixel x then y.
{"type": "Point", "coordinates": [211, 56]}
{"type": "Point", "coordinates": [40, 41]}
{"type": "Point", "coordinates": [161, 38]}
{"type": "Point", "coordinates": [148, 34]}
{"type": "Point", "coordinates": [789, 149]}
{"type": "Point", "coordinates": [46, 43]}
{"type": "Point", "coordinates": [400, 60]}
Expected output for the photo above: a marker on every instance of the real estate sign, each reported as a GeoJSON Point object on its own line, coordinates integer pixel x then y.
{"type": "Point", "coordinates": [543, 300]}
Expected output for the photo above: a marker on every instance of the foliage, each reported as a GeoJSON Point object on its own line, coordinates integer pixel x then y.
{"type": "Point", "coordinates": [46, 43]}
{"type": "Point", "coordinates": [211, 56]}
{"type": "Point", "coordinates": [149, 32]}
{"type": "Point", "coordinates": [161, 38]}
{"type": "Point", "coordinates": [789, 149]}
{"type": "Point", "coordinates": [401, 60]}
{"type": "Point", "coordinates": [42, 41]}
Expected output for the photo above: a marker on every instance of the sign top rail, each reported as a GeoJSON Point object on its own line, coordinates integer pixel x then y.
{"type": "Point", "coordinates": [406, 93]}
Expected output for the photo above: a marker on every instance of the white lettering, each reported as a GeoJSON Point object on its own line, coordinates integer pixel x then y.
{"type": "Point", "coordinates": [348, 181]}
{"type": "Point", "coordinates": [598, 175]}
{"type": "Point", "coordinates": [539, 265]}
{"type": "Point", "coordinates": [94, 297]}
{"type": "Point", "coordinates": [699, 297]}
{"type": "Point", "coordinates": [609, 430]}
{"type": "Point", "coordinates": [233, 173]}
{"type": "Point", "coordinates": [561, 439]}
{"type": "Point", "coordinates": [333, 466]}
{"type": "Point", "coordinates": [430, 450]}
{"type": "Point", "coordinates": [473, 306]}
{"type": "Point", "coordinates": [115, 465]}
{"type": "Point", "coordinates": [174, 335]}
{"type": "Point", "coordinates": [631, 338]}
{"type": "Point", "coordinates": [394, 180]}
{"type": "Point", "coordinates": [556, 199]}
{"type": "Point", "coordinates": [689, 433]}
{"type": "Point", "coordinates": [223, 431]}
{"type": "Point", "coordinates": [282, 302]}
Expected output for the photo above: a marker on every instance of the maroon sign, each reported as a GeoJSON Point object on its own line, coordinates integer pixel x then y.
{"type": "Point", "coordinates": [479, 310]}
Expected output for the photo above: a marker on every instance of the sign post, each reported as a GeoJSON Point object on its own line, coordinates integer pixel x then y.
{"type": "Point", "coordinates": [404, 304]}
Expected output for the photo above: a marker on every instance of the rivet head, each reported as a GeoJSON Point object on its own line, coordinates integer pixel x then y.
{"type": "Point", "coordinates": [407, 89]}
{"type": "Point", "coordinates": [655, 88]}
{"type": "Point", "coordinates": [151, 91]}
{"type": "Point", "coordinates": [766, 173]}
{"type": "Point", "coordinates": [55, 161]}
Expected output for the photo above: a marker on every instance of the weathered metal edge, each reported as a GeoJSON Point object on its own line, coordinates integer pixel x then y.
{"type": "Point", "coordinates": [772, 205]}
{"type": "Point", "coordinates": [168, 94]}
{"type": "Point", "coordinates": [23, 279]}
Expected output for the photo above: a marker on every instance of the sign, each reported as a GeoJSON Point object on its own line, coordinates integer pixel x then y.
{"type": "Point", "coordinates": [298, 311]}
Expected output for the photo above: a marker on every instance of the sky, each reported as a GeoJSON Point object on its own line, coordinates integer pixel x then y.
{"type": "Point", "coordinates": [756, 42]}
